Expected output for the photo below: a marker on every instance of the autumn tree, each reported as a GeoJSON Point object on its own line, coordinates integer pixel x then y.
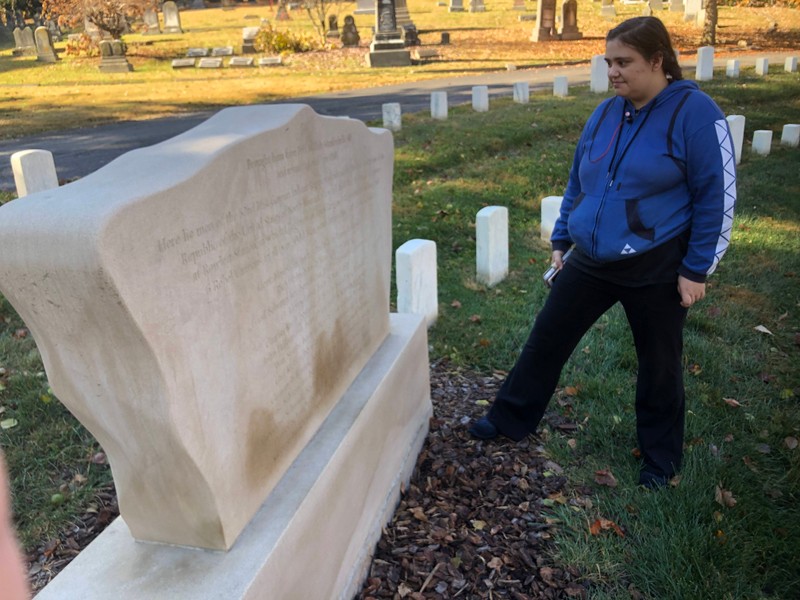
{"type": "Point", "coordinates": [710, 26]}
{"type": "Point", "coordinates": [112, 16]}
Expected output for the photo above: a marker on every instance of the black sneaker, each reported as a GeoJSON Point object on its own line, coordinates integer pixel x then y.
{"type": "Point", "coordinates": [652, 481]}
{"type": "Point", "coordinates": [483, 429]}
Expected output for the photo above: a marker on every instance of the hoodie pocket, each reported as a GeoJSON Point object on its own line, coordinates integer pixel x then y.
{"type": "Point", "coordinates": [578, 199]}
{"type": "Point", "coordinates": [635, 221]}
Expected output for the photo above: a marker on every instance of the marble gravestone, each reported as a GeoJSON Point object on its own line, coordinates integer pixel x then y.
{"type": "Point", "coordinates": [172, 17]}
{"type": "Point", "coordinates": [231, 290]}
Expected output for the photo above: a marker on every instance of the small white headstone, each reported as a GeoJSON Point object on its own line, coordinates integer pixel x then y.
{"type": "Point", "coordinates": [762, 66]}
{"type": "Point", "coordinates": [241, 61]}
{"type": "Point", "coordinates": [222, 51]}
{"type": "Point", "coordinates": [736, 125]}
{"type": "Point", "coordinates": [491, 237]}
{"type": "Point", "coordinates": [480, 98]}
{"type": "Point", "coordinates": [705, 64]}
{"type": "Point", "coordinates": [270, 61]}
{"type": "Point", "coordinates": [439, 105]}
{"type": "Point", "coordinates": [762, 141]}
{"type": "Point", "coordinates": [172, 17]}
{"type": "Point", "coordinates": [599, 77]}
{"type": "Point", "coordinates": [392, 116]}
{"type": "Point", "coordinates": [551, 208]}
{"type": "Point", "coordinates": [790, 64]}
{"type": "Point", "coordinates": [196, 52]}
{"type": "Point", "coordinates": [34, 171]}
{"type": "Point", "coordinates": [417, 291]}
{"type": "Point", "coordinates": [522, 92]}
{"type": "Point", "coordinates": [732, 68]}
{"type": "Point", "coordinates": [791, 135]}
{"type": "Point", "coordinates": [561, 86]}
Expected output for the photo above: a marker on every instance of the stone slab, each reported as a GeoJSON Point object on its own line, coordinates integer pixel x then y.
{"type": "Point", "coordinates": [204, 393]}
{"type": "Point", "coordinates": [736, 124]}
{"type": "Point", "coordinates": [392, 116]}
{"type": "Point", "coordinates": [270, 61]}
{"type": "Point", "coordinates": [704, 71]}
{"type": "Point", "coordinates": [491, 245]}
{"type": "Point", "coordinates": [598, 83]}
{"type": "Point", "coordinates": [209, 62]}
{"type": "Point", "coordinates": [550, 210]}
{"type": "Point", "coordinates": [416, 279]}
{"type": "Point", "coordinates": [182, 63]}
{"type": "Point", "coordinates": [521, 92]}
{"type": "Point", "coordinates": [790, 135]}
{"type": "Point", "coordinates": [327, 511]}
{"type": "Point", "coordinates": [388, 58]}
{"type": "Point", "coordinates": [480, 98]}
{"type": "Point", "coordinates": [241, 61]}
{"type": "Point", "coordinates": [762, 141]}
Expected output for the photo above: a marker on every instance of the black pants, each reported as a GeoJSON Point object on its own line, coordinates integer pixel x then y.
{"type": "Point", "coordinates": [576, 301]}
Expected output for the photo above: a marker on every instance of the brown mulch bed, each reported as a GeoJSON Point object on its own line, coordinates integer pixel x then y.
{"type": "Point", "coordinates": [471, 524]}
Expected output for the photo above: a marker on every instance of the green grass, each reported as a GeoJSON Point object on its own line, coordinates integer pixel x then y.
{"type": "Point", "coordinates": [679, 543]}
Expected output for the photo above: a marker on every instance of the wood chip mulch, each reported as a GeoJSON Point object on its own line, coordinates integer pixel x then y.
{"type": "Point", "coordinates": [472, 523]}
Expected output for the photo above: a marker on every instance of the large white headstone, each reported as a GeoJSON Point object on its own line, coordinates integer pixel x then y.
{"type": "Point", "coordinates": [561, 86]}
{"type": "Point", "coordinates": [732, 68]}
{"type": "Point", "coordinates": [521, 92]}
{"type": "Point", "coordinates": [790, 64]}
{"type": "Point", "coordinates": [439, 105]}
{"type": "Point", "coordinates": [202, 304]}
{"type": "Point", "coordinates": [551, 208]}
{"type": "Point", "coordinates": [762, 66]}
{"type": "Point", "coordinates": [392, 116]}
{"type": "Point", "coordinates": [417, 282]}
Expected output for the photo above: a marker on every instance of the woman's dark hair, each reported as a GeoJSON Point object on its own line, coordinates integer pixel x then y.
{"type": "Point", "coordinates": [649, 37]}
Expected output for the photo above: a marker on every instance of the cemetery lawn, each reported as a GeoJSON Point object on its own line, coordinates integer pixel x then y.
{"type": "Point", "coordinates": [727, 527]}
{"type": "Point", "coordinates": [36, 97]}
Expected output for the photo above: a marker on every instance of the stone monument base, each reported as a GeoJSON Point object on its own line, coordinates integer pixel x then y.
{"type": "Point", "coordinates": [115, 64]}
{"type": "Point", "coordinates": [314, 535]}
{"type": "Point", "coordinates": [385, 55]}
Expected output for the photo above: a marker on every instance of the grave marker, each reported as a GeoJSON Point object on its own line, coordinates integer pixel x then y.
{"type": "Point", "coordinates": [172, 17]}
{"type": "Point", "coordinates": [151, 24]}
{"type": "Point", "coordinates": [762, 141]}
{"type": "Point", "coordinates": [732, 68]}
{"type": "Point", "coordinates": [790, 135]}
{"type": "Point", "coordinates": [599, 75]}
{"type": "Point", "coordinates": [417, 293]}
{"type": "Point", "coordinates": [545, 21]}
{"type": "Point", "coordinates": [439, 105]}
{"type": "Point", "coordinates": [44, 45]}
{"type": "Point", "coordinates": [704, 71]}
{"type": "Point", "coordinates": [736, 125]}
{"type": "Point", "coordinates": [237, 360]}
{"type": "Point", "coordinates": [491, 238]}
{"type": "Point", "coordinates": [790, 64]}
{"type": "Point", "coordinates": [34, 171]}
{"type": "Point", "coordinates": [569, 19]}
{"type": "Point", "coordinates": [522, 92]}
{"type": "Point", "coordinates": [392, 116]}
{"type": "Point", "coordinates": [561, 86]}
{"type": "Point", "coordinates": [480, 98]}
{"type": "Point", "coordinates": [762, 66]}
{"type": "Point", "coordinates": [551, 208]}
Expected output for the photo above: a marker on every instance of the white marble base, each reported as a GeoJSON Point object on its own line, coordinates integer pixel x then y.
{"type": "Point", "coordinates": [315, 534]}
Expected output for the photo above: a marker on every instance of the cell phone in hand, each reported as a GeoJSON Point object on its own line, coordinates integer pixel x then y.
{"type": "Point", "coordinates": [551, 273]}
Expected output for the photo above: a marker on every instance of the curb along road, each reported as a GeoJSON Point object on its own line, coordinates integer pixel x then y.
{"type": "Point", "coordinates": [78, 152]}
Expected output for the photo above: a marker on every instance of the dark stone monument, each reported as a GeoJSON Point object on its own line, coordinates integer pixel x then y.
{"type": "Point", "coordinates": [456, 6]}
{"type": "Point", "coordinates": [333, 27]}
{"type": "Point", "coordinates": [445, 40]}
{"type": "Point", "coordinates": [569, 20]}
{"type": "Point", "coordinates": [545, 21]}
{"type": "Point", "coordinates": [350, 37]}
{"type": "Point", "coordinates": [387, 48]}
{"type": "Point", "coordinates": [112, 57]}
{"type": "Point", "coordinates": [249, 39]}
{"type": "Point", "coordinates": [410, 35]}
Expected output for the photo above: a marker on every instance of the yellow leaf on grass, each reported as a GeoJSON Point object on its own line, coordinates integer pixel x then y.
{"type": "Point", "coordinates": [478, 525]}
{"type": "Point", "coordinates": [724, 497]}
{"type": "Point", "coordinates": [8, 423]}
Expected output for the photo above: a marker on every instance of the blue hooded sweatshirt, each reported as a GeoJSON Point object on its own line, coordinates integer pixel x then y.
{"type": "Point", "coordinates": [641, 178]}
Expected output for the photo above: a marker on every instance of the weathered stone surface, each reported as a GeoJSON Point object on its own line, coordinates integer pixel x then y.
{"type": "Point", "coordinates": [201, 305]}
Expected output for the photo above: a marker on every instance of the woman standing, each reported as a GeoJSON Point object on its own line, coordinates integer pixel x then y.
{"type": "Point", "coordinates": [648, 211]}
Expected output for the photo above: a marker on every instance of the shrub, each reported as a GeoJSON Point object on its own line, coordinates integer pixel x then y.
{"type": "Point", "coordinates": [82, 46]}
{"type": "Point", "coordinates": [279, 42]}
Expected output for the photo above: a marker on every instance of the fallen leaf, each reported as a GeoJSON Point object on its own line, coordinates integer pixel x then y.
{"type": "Point", "coordinates": [762, 329]}
{"type": "Point", "coordinates": [495, 563]}
{"type": "Point", "coordinates": [724, 497]}
{"type": "Point", "coordinates": [403, 590]}
{"type": "Point", "coordinates": [763, 448]}
{"type": "Point", "coordinates": [571, 390]}
{"type": "Point", "coordinates": [602, 524]}
{"type": "Point", "coordinates": [573, 443]}
{"type": "Point", "coordinates": [20, 334]}
{"type": "Point", "coordinates": [732, 402]}
{"type": "Point", "coordinates": [455, 304]}
{"type": "Point", "coordinates": [475, 318]}
{"type": "Point", "coordinates": [728, 438]}
{"type": "Point", "coordinates": [605, 477]}
{"type": "Point", "coordinates": [695, 369]}
{"type": "Point", "coordinates": [8, 423]}
{"type": "Point", "coordinates": [749, 463]}
{"type": "Point", "coordinates": [484, 343]}
{"type": "Point", "coordinates": [791, 442]}
{"type": "Point", "coordinates": [98, 458]}
{"type": "Point", "coordinates": [783, 316]}
{"type": "Point", "coordinates": [478, 525]}
{"type": "Point", "coordinates": [636, 453]}
{"type": "Point", "coordinates": [419, 514]}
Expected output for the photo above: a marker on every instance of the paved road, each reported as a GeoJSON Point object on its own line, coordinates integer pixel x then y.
{"type": "Point", "coordinates": [78, 152]}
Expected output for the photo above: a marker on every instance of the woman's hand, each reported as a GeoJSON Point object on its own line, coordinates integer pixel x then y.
{"type": "Point", "coordinates": [690, 291]}
{"type": "Point", "coordinates": [556, 259]}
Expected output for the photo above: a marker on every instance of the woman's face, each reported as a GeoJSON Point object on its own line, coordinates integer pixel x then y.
{"type": "Point", "coordinates": [633, 77]}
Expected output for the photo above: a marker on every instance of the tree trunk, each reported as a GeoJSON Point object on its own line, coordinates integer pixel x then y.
{"type": "Point", "coordinates": [710, 28]}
